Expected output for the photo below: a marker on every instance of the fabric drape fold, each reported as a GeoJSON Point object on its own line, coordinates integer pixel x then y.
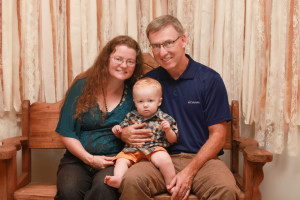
{"type": "Point", "coordinates": [10, 56]}
{"type": "Point", "coordinates": [46, 54]}
{"type": "Point", "coordinates": [1, 67]}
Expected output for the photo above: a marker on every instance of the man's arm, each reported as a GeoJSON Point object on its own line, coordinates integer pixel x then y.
{"type": "Point", "coordinates": [182, 182]}
{"type": "Point", "coordinates": [136, 134]}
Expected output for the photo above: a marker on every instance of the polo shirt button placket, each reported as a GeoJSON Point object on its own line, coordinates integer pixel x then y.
{"type": "Point", "coordinates": [175, 92]}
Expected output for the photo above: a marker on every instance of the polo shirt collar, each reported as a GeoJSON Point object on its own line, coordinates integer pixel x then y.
{"type": "Point", "coordinates": [189, 72]}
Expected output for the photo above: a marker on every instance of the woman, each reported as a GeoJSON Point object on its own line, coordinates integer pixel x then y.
{"type": "Point", "coordinates": [95, 103]}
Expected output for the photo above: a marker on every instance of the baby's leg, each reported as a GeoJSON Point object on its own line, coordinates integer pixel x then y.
{"type": "Point", "coordinates": [122, 165]}
{"type": "Point", "coordinates": [163, 162]}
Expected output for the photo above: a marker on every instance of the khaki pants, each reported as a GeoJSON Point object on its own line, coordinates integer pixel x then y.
{"type": "Point", "coordinates": [213, 181]}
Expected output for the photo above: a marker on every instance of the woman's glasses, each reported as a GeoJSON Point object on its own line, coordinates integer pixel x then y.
{"type": "Point", "coordinates": [119, 60]}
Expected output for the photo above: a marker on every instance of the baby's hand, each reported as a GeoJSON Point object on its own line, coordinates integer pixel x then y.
{"type": "Point", "coordinates": [165, 124]}
{"type": "Point", "coordinates": [117, 129]}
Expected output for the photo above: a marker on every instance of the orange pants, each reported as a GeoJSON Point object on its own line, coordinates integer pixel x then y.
{"type": "Point", "coordinates": [138, 155]}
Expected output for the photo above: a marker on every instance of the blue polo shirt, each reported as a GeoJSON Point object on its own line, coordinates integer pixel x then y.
{"type": "Point", "coordinates": [196, 100]}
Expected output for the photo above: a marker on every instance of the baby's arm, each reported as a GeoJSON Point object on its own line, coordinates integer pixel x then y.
{"type": "Point", "coordinates": [117, 129]}
{"type": "Point", "coordinates": [170, 134]}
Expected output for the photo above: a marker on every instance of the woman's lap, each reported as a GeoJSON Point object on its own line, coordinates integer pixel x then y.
{"type": "Point", "coordinates": [75, 180]}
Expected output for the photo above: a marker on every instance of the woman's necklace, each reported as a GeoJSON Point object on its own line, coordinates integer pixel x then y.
{"type": "Point", "coordinates": [104, 98]}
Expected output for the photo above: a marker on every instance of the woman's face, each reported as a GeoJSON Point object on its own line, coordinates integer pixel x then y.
{"type": "Point", "coordinates": [122, 63]}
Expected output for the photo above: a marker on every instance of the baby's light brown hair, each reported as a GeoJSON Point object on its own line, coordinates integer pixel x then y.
{"type": "Point", "coordinates": [146, 81]}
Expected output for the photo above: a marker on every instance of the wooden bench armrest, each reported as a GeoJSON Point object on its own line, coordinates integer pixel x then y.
{"type": "Point", "coordinates": [244, 142]}
{"type": "Point", "coordinates": [8, 170]}
{"type": "Point", "coordinates": [18, 142]}
{"type": "Point", "coordinates": [256, 154]}
{"type": "Point", "coordinates": [8, 153]}
{"type": "Point", "coordinates": [11, 145]}
{"type": "Point", "coordinates": [251, 151]}
{"type": "Point", "coordinates": [254, 160]}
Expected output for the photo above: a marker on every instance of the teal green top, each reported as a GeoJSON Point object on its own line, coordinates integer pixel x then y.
{"type": "Point", "coordinates": [94, 133]}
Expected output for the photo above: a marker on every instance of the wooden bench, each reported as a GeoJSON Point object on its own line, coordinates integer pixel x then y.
{"type": "Point", "coordinates": [38, 124]}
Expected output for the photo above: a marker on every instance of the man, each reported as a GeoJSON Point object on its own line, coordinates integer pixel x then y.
{"type": "Point", "coordinates": [196, 97]}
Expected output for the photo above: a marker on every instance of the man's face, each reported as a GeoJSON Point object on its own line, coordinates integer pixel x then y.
{"type": "Point", "coordinates": [168, 57]}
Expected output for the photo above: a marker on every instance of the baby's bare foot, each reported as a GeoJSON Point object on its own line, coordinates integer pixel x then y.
{"type": "Point", "coordinates": [113, 181]}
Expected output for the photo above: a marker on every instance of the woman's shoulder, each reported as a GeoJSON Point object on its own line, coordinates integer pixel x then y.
{"type": "Point", "coordinates": [76, 88]}
{"type": "Point", "coordinates": [78, 83]}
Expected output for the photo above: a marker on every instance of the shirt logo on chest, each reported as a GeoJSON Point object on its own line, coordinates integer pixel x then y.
{"type": "Point", "coordinates": [193, 102]}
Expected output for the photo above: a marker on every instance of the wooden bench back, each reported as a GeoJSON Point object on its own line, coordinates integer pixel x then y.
{"type": "Point", "coordinates": [40, 120]}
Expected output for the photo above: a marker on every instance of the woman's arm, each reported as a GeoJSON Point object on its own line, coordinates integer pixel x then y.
{"type": "Point", "coordinates": [76, 148]}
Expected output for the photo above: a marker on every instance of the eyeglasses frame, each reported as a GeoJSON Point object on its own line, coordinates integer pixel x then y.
{"type": "Point", "coordinates": [164, 44]}
{"type": "Point", "coordinates": [122, 61]}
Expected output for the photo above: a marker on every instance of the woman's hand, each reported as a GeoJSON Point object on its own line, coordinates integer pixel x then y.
{"type": "Point", "coordinates": [136, 134]}
{"type": "Point", "coordinates": [101, 162]}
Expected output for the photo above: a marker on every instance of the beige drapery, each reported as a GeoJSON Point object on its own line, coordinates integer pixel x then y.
{"type": "Point", "coordinates": [253, 44]}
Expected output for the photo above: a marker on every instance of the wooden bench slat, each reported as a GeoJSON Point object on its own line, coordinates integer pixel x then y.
{"type": "Point", "coordinates": [36, 191]}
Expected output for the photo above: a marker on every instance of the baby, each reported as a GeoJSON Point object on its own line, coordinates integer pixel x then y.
{"type": "Point", "coordinates": [147, 97]}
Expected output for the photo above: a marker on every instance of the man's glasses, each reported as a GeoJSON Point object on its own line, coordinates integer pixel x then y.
{"type": "Point", "coordinates": [166, 45]}
{"type": "Point", "coordinates": [119, 60]}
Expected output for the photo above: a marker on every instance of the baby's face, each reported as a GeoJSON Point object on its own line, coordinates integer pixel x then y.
{"type": "Point", "coordinates": [147, 99]}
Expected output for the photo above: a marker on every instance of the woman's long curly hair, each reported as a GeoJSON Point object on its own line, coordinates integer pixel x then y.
{"type": "Point", "coordinates": [97, 75]}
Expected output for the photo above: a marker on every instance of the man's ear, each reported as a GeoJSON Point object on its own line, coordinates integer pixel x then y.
{"type": "Point", "coordinates": [184, 40]}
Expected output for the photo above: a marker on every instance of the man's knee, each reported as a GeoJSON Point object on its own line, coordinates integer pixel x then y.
{"type": "Point", "coordinates": [133, 179]}
{"type": "Point", "coordinates": [226, 192]}
{"type": "Point", "coordinates": [219, 192]}
{"type": "Point", "coordinates": [140, 178]}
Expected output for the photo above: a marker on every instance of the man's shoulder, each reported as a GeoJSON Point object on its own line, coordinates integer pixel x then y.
{"type": "Point", "coordinates": [205, 73]}
{"type": "Point", "coordinates": [154, 73]}
{"type": "Point", "coordinates": [204, 69]}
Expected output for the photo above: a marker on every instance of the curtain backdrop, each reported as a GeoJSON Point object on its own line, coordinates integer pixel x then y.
{"type": "Point", "coordinates": [253, 44]}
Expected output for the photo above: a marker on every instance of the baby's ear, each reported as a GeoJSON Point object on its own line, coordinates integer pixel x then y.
{"type": "Point", "coordinates": [160, 100]}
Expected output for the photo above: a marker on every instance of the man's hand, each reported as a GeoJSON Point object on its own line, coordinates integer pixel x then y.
{"type": "Point", "coordinates": [136, 134]}
{"type": "Point", "coordinates": [180, 185]}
